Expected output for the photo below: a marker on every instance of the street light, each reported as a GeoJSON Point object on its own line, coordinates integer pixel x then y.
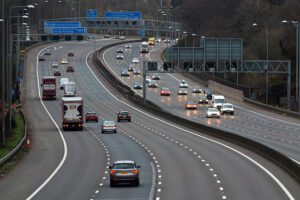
{"type": "Point", "coordinates": [193, 35]}
{"type": "Point", "coordinates": [3, 81]}
{"type": "Point", "coordinates": [266, 67]}
{"type": "Point", "coordinates": [296, 25]}
{"type": "Point", "coordinates": [185, 35]}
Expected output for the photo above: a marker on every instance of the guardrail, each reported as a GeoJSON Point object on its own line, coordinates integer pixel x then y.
{"type": "Point", "coordinates": [269, 107]}
{"type": "Point", "coordinates": [11, 153]}
{"type": "Point", "coordinates": [276, 157]}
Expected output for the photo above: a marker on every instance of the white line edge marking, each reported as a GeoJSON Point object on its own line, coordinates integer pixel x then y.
{"type": "Point", "coordinates": [296, 161]}
{"type": "Point", "coordinates": [151, 196]}
{"type": "Point", "coordinates": [61, 135]}
{"type": "Point", "coordinates": [192, 133]}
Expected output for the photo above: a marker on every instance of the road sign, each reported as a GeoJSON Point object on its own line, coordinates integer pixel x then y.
{"type": "Point", "coordinates": [64, 30]}
{"type": "Point", "coordinates": [152, 67]}
{"type": "Point", "coordinates": [91, 14]}
{"type": "Point", "coordinates": [122, 15]}
{"type": "Point", "coordinates": [53, 24]}
{"type": "Point", "coordinates": [142, 32]}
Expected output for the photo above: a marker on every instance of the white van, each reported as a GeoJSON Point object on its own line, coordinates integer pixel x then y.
{"type": "Point", "coordinates": [217, 101]}
{"type": "Point", "coordinates": [62, 82]}
{"type": "Point", "coordinates": [70, 89]}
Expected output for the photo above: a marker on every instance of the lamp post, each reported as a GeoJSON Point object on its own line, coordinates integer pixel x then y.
{"type": "Point", "coordinates": [193, 35]}
{"type": "Point", "coordinates": [3, 82]}
{"type": "Point", "coordinates": [266, 66]}
{"type": "Point", "coordinates": [296, 25]}
{"type": "Point", "coordinates": [185, 35]}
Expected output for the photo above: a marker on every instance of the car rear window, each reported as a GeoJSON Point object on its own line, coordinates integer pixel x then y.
{"type": "Point", "coordinates": [123, 166]}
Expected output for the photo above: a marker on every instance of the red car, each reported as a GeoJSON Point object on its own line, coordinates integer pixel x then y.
{"type": "Point", "coordinates": [165, 92]}
{"type": "Point", "coordinates": [91, 116]}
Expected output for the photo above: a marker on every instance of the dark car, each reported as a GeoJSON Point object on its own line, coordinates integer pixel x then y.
{"type": "Point", "coordinates": [41, 58]}
{"type": "Point", "coordinates": [209, 94]}
{"type": "Point", "coordinates": [130, 68]}
{"type": "Point", "coordinates": [70, 54]}
{"type": "Point", "coordinates": [203, 99]}
{"type": "Point", "coordinates": [155, 77]}
{"type": "Point", "coordinates": [124, 115]}
{"type": "Point", "coordinates": [120, 50]}
{"type": "Point", "coordinates": [106, 36]}
{"type": "Point", "coordinates": [70, 69]}
{"type": "Point", "coordinates": [124, 72]}
{"type": "Point", "coordinates": [57, 73]}
{"type": "Point", "coordinates": [47, 53]}
{"type": "Point", "coordinates": [91, 116]}
{"type": "Point", "coordinates": [137, 86]}
{"type": "Point", "coordinates": [124, 171]}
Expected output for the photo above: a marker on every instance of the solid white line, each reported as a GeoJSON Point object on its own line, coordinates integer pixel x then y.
{"type": "Point", "coordinates": [296, 161]}
{"type": "Point", "coordinates": [290, 196]}
{"type": "Point", "coordinates": [151, 196]}
{"type": "Point", "coordinates": [61, 135]}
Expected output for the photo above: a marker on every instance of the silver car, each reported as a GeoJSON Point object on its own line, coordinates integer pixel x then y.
{"type": "Point", "coordinates": [108, 126]}
{"type": "Point", "coordinates": [124, 171]}
{"type": "Point", "coordinates": [212, 112]}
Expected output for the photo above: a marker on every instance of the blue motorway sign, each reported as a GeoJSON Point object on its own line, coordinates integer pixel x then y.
{"type": "Point", "coordinates": [66, 30]}
{"type": "Point", "coordinates": [53, 24]}
{"type": "Point", "coordinates": [91, 14]}
{"type": "Point", "coordinates": [122, 15]}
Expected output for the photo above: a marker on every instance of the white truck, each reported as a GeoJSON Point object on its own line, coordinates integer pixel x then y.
{"type": "Point", "coordinates": [217, 101]}
{"type": "Point", "coordinates": [72, 113]}
{"type": "Point", "coordinates": [70, 89]}
{"type": "Point", "coordinates": [144, 47]}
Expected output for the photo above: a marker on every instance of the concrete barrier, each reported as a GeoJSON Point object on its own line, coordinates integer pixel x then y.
{"type": "Point", "coordinates": [225, 90]}
{"type": "Point", "coordinates": [276, 157]}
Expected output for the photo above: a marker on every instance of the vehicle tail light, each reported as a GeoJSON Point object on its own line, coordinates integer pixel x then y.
{"type": "Point", "coordinates": [113, 171]}
{"type": "Point", "coordinates": [135, 171]}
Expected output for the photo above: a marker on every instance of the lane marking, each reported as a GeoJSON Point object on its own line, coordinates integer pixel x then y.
{"type": "Point", "coordinates": [281, 185]}
{"type": "Point", "coordinates": [57, 127]}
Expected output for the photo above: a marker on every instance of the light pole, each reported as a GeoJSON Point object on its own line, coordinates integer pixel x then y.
{"type": "Point", "coordinates": [193, 35]}
{"type": "Point", "coordinates": [296, 25]}
{"type": "Point", "coordinates": [185, 35]}
{"type": "Point", "coordinates": [3, 82]}
{"type": "Point", "coordinates": [266, 66]}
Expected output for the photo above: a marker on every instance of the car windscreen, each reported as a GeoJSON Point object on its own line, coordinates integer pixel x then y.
{"type": "Point", "coordinates": [109, 123]}
{"type": "Point", "coordinates": [219, 100]}
{"type": "Point", "coordinates": [227, 106]}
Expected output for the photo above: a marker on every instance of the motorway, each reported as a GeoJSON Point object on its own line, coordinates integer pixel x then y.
{"type": "Point", "coordinates": [278, 132]}
{"type": "Point", "coordinates": [177, 163]}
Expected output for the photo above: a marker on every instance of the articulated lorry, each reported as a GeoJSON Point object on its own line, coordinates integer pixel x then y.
{"type": "Point", "coordinates": [72, 113]}
{"type": "Point", "coordinates": [49, 87]}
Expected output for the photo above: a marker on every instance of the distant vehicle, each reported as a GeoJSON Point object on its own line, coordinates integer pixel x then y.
{"type": "Point", "coordinates": [152, 84]}
{"type": "Point", "coordinates": [135, 61]}
{"type": "Point", "coordinates": [55, 64]}
{"type": "Point", "coordinates": [151, 41]}
{"type": "Point", "coordinates": [136, 71]}
{"type": "Point", "coordinates": [119, 57]}
{"type": "Point", "coordinates": [56, 73]}
{"type": "Point", "coordinates": [47, 53]}
{"type": "Point", "coordinates": [108, 126]}
{"type": "Point", "coordinates": [106, 36]}
{"type": "Point", "coordinates": [190, 104]}
{"type": "Point", "coordinates": [70, 54]}
{"type": "Point", "coordinates": [183, 84]}
{"type": "Point", "coordinates": [167, 41]}
{"type": "Point", "coordinates": [41, 58]}
{"type": "Point", "coordinates": [124, 72]}
{"type": "Point", "coordinates": [64, 61]}
{"type": "Point", "coordinates": [212, 112]}
{"type": "Point", "coordinates": [165, 91]}
{"type": "Point", "coordinates": [217, 101]}
{"type": "Point", "coordinates": [209, 94]}
{"type": "Point", "coordinates": [124, 171]}
{"type": "Point", "coordinates": [49, 87]}
{"type": "Point", "coordinates": [117, 37]}
{"type": "Point", "coordinates": [122, 37]}
{"type": "Point", "coordinates": [144, 47]}
{"type": "Point", "coordinates": [227, 108]}
{"type": "Point", "coordinates": [203, 99]}
{"type": "Point", "coordinates": [158, 40]}
{"type": "Point", "coordinates": [130, 68]}
{"type": "Point", "coordinates": [128, 46]}
{"type": "Point", "coordinates": [72, 112]}
{"type": "Point", "coordinates": [120, 50]}
{"type": "Point", "coordinates": [197, 89]}
{"type": "Point", "coordinates": [91, 116]}
{"type": "Point", "coordinates": [62, 82]}
{"type": "Point", "coordinates": [124, 115]}
{"type": "Point", "coordinates": [70, 69]}
{"type": "Point", "coordinates": [70, 89]}
{"type": "Point", "coordinates": [137, 86]}
{"type": "Point", "coordinates": [182, 92]}
{"type": "Point", "coordinates": [155, 77]}
{"type": "Point", "coordinates": [148, 79]}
